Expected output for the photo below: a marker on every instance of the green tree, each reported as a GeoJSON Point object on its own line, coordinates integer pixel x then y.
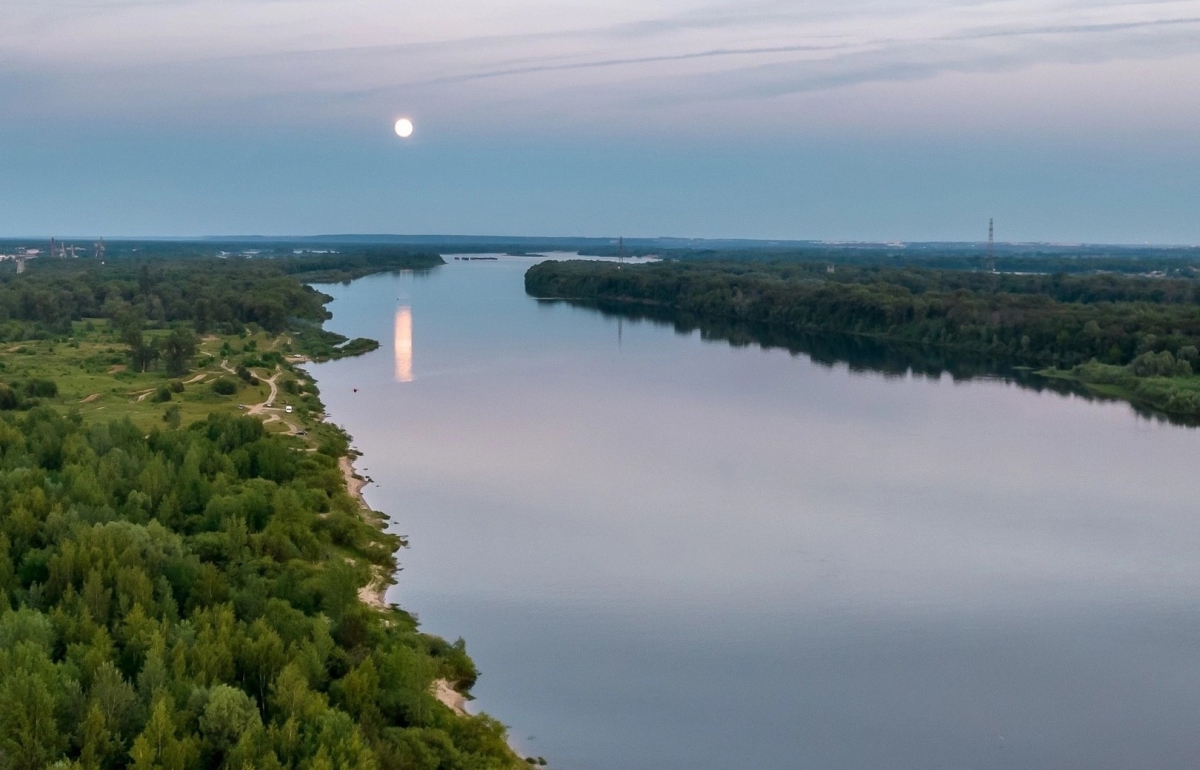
{"type": "Point", "coordinates": [29, 735]}
{"type": "Point", "coordinates": [97, 741]}
{"type": "Point", "coordinates": [228, 714]}
{"type": "Point", "coordinates": [177, 350]}
{"type": "Point", "coordinates": [159, 747]}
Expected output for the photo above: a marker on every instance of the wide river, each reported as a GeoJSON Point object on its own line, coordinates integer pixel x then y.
{"type": "Point", "coordinates": [668, 553]}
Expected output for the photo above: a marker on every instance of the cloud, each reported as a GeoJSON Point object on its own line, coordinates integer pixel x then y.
{"type": "Point", "coordinates": [319, 59]}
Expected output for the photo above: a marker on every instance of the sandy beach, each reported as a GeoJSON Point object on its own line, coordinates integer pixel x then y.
{"type": "Point", "coordinates": [374, 593]}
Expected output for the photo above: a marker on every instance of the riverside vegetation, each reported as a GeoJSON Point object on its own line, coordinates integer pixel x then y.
{"type": "Point", "coordinates": [1125, 336]}
{"type": "Point", "coordinates": [182, 585]}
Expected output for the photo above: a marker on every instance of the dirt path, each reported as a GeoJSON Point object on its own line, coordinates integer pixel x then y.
{"type": "Point", "coordinates": [197, 378]}
{"type": "Point", "coordinates": [266, 408]}
{"type": "Point", "coordinates": [142, 396]}
{"type": "Point", "coordinates": [90, 398]}
{"type": "Point", "coordinates": [225, 366]}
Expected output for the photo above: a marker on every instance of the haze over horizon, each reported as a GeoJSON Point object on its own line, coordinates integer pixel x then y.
{"type": "Point", "coordinates": [1067, 120]}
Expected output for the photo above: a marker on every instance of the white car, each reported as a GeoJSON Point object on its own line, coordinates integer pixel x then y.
{"type": "Point", "coordinates": [288, 410]}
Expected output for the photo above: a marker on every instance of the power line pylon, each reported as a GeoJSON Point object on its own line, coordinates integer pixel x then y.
{"type": "Point", "coordinates": [991, 252]}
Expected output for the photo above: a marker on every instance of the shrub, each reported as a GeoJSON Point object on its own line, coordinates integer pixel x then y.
{"type": "Point", "coordinates": [8, 399]}
{"type": "Point", "coordinates": [40, 388]}
{"type": "Point", "coordinates": [1160, 365]}
{"type": "Point", "coordinates": [163, 394]}
{"type": "Point", "coordinates": [223, 386]}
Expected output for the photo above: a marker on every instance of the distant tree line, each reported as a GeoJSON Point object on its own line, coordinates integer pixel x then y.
{"type": "Point", "coordinates": [1008, 258]}
{"type": "Point", "coordinates": [209, 292]}
{"type": "Point", "coordinates": [189, 294]}
{"type": "Point", "coordinates": [1148, 328]}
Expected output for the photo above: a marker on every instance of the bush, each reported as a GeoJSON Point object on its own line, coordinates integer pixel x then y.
{"type": "Point", "coordinates": [8, 399]}
{"type": "Point", "coordinates": [1160, 365]}
{"type": "Point", "coordinates": [39, 388]}
{"type": "Point", "coordinates": [223, 386]}
{"type": "Point", "coordinates": [163, 394]}
{"type": "Point", "coordinates": [177, 386]}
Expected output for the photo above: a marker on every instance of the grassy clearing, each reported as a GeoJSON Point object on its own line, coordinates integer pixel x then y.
{"type": "Point", "coordinates": [95, 378]}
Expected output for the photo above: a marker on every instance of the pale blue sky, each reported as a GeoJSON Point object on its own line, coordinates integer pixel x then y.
{"type": "Point", "coordinates": [1066, 120]}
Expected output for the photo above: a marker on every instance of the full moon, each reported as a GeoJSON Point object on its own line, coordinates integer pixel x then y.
{"type": "Point", "coordinates": [404, 128]}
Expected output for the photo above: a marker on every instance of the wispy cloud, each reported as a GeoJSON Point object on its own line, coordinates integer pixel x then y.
{"type": "Point", "coordinates": [320, 57]}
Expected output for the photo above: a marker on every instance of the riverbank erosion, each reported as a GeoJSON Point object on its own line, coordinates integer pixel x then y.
{"type": "Point", "coordinates": [180, 580]}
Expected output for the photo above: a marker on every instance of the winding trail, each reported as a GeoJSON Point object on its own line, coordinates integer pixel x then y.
{"type": "Point", "coordinates": [266, 408]}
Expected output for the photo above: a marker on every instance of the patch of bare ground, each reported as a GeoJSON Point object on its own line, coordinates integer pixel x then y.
{"type": "Point", "coordinates": [90, 398]}
{"type": "Point", "coordinates": [451, 698]}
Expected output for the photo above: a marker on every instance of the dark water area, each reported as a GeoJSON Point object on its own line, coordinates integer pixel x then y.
{"type": "Point", "coordinates": [672, 545]}
{"type": "Point", "coordinates": [860, 353]}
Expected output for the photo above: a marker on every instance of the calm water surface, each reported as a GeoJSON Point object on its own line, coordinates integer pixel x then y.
{"type": "Point", "coordinates": [667, 553]}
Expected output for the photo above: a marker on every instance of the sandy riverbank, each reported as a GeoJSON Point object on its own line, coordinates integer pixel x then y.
{"type": "Point", "coordinates": [374, 594]}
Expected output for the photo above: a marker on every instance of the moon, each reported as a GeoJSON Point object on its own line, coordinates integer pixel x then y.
{"type": "Point", "coordinates": [404, 128]}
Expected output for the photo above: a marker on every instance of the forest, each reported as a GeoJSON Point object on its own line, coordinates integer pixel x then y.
{"type": "Point", "coordinates": [185, 596]}
{"type": "Point", "coordinates": [1131, 337]}
{"type": "Point", "coordinates": [1007, 258]}
{"type": "Point", "coordinates": [207, 293]}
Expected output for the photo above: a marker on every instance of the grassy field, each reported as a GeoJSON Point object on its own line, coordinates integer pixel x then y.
{"type": "Point", "coordinates": [95, 378]}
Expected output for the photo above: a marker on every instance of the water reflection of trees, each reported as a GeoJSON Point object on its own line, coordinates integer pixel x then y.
{"type": "Point", "coordinates": [858, 353]}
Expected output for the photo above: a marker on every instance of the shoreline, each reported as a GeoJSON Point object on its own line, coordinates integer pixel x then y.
{"type": "Point", "coordinates": [374, 594]}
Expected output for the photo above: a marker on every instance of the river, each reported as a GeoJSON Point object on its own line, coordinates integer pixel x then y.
{"type": "Point", "coordinates": [673, 553]}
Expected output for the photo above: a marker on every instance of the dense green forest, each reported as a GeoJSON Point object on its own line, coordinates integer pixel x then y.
{"type": "Point", "coordinates": [1181, 261]}
{"type": "Point", "coordinates": [1128, 336]}
{"type": "Point", "coordinates": [207, 293]}
{"type": "Point", "coordinates": [191, 596]}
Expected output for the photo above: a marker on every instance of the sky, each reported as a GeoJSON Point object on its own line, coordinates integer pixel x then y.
{"type": "Point", "coordinates": [1065, 120]}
